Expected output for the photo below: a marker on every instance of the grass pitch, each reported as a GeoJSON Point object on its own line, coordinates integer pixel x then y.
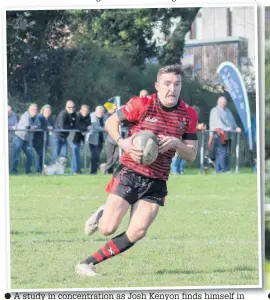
{"type": "Point", "coordinates": [206, 235]}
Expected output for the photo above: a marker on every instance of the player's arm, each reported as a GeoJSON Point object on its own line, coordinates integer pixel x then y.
{"type": "Point", "coordinates": [112, 125]}
{"type": "Point", "coordinates": [186, 147]}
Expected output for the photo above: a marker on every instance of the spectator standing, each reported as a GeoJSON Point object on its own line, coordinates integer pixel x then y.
{"type": "Point", "coordinates": [44, 123]}
{"type": "Point", "coordinates": [66, 119]}
{"type": "Point", "coordinates": [22, 140]}
{"type": "Point", "coordinates": [221, 122]}
{"type": "Point", "coordinates": [75, 139]}
{"type": "Point", "coordinates": [96, 138]}
{"type": "Point", "coordinates": [177, 165]}
{"type": "Point", "coordinates": [112, 149]}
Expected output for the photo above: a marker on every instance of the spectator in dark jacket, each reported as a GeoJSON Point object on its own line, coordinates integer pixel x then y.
{"type": "Point", "coordinates": [22, 139]}
{"type": "Point", "coordinates": [66, 119]}
{"type": "Point", "coordinates": [45, 124]}
{"type": "Point", "coordinates": [83, 124]}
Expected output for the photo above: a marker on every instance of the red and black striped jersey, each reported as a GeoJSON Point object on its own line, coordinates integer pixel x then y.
{"type": "Point", "coordinates": [148, 113]}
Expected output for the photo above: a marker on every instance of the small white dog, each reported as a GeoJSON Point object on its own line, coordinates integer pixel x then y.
{"type": "Point", "coordinates": [56, 169]}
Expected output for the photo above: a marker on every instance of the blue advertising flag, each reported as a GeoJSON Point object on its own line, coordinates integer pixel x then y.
{"type": "Point", "coordinates": [234, 84]}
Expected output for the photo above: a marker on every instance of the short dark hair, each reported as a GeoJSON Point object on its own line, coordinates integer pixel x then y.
{"type": "Point", "coordinates": [177, 69]}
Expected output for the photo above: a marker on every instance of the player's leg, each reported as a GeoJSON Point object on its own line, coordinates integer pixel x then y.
{"type": "Point", "coordinates": [109, 220]}
{"type": "Point", "coordinates": [121, 186]}
{"type": "Point", "coordinates": [143, 214]}
{"type": "Point", "coordinates": [115, 209]}
{"type": "Point", "coordinates": [108, 216]}
{"type": "Point", "coordinates": [123, 191]}
{"type": "Point", "coordinates": [152, 193]}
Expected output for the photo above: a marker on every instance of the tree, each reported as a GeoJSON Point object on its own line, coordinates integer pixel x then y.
{"type": "Point", "coordinates": [33, 38]}
{"type": "Point", "coordinates": [89, 55]}
{"type": "Point", "coordinates": [133, 31]}
{"type": "Point", "coordinates": [96, 74]}
{"type": "Point", "coordinates": [174, 49]}
{"type": "Point", "coordinates": [29, 32]}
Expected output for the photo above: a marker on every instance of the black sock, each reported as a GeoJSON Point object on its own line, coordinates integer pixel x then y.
{"type": "Point", "coordinates": [113, 247]}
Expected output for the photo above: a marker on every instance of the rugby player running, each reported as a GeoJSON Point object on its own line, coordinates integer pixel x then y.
{"type": "Point", "coordinates": [133, 184]}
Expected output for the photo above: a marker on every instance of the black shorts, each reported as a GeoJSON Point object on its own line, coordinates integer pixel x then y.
{"type": "Point", "coordinates": [133, 186]}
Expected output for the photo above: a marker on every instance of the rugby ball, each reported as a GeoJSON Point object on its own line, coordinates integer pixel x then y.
{"type": "Point", "coordinates": [148, 142]}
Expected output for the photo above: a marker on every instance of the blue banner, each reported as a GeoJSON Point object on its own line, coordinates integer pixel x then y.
{"type": "Point", "coordinates": [234, 84]}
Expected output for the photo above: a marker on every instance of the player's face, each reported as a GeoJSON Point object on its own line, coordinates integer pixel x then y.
{"type": "Point", "coordinates": [168, 88]}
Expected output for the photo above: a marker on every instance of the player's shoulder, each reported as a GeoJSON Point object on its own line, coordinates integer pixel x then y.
{"type": "Point", "coordinates": [191, 111]}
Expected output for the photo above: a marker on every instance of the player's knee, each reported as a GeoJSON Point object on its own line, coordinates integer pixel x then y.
{"type": "Point", "coordinates": [107, 230]}
{"type": "Point", "coordinates": [136, 235]}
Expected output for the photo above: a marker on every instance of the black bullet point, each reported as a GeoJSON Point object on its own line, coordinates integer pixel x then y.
{"type": "Point", "coordinates": [7, 296]}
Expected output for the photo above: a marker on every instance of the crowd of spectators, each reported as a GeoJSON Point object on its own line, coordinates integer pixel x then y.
{"type": "Point", "coordinates": [67, 132]}
{"type": "Point", "coordinates": [71, 129]}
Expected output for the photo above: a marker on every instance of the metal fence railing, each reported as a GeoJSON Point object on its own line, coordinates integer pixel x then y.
{"type": "Point", "coordinates": [238, 146]}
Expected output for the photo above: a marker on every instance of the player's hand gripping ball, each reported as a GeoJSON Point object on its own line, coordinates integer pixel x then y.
{"type": "Point", "coordinates": [148, 142]}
